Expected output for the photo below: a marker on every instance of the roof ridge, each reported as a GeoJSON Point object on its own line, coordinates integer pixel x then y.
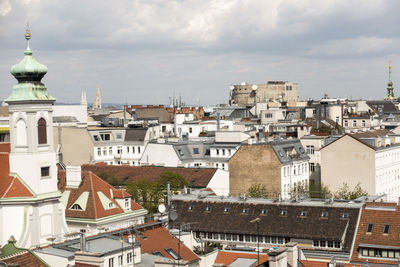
{"type": "Point", "coordinates": [92, 189]}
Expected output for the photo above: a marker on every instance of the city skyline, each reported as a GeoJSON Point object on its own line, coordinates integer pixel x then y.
{"type": "Point", "coordinates": [149, 50]}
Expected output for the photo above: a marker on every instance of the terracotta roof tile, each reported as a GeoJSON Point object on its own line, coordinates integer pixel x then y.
{"type": "Point", "coordinates": [227, 257]}
{"type": "Point", "coordinates": [5, 147]}
{"type": "Point", "coordinates": [120, 193]}
{"type": "Point", "coordinates": [24, 259]}
{"type": "Point", "coordinates": [198, 177]}
{"type": "Point", "coordinates": [90, 183]}
{"type": "Point", "coordinates": [158, 239]}
{"type": "Point", "coordinates": [379, 216]}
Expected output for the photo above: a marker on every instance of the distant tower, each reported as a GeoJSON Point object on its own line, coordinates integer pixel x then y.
{"type": "Point", "coordinates": [97, 101]}
{"type": "Point", "coordinates": [83, 99]}
{"type": "Point", "coordinates": [390, 94]}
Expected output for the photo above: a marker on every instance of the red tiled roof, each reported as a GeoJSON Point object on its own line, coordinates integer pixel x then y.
{"type": "Point", "coordinates": [310, 263]}
{"type": "Point", "coordinates": [158, 238]}
{"type": "Point", "coordinates": [199, 177]}
{"type": "Point", "coordinates": [5, 147]}
{"type": "Point", "coordinates": [94, 208]}
{"type": "Point", "coordinates": [378, 217]}
{"type": "Point", "coordinates": [120, 193]}
{"type": "Point", "coordinates": [24, 259]}
{"type": "Point", "coordinates": [10, 186]}
{"type": "Point", "coordinates": [227, 257]}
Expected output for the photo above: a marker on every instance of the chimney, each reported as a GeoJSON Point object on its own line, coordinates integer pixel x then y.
{"type": "Point", "coordinates": [73, 176]}
{"type": "Point", "coordinates": [83, 242]}
{"type": "Point", "coordinates": [332, 263]}
{"type": "Point", "coordinates": [292, 254]}
{"type": "Point", "coordinates": [278, 258]}
{"type": "Point", "coordinates": [218, 121]}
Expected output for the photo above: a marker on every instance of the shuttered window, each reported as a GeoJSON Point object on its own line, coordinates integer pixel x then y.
{"type": "Point", "coordinates": [42, 134]}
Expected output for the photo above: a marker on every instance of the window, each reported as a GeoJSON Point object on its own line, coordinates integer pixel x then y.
{"type": "Point", "coordinates": [173, 253]}
{"type": "Point", "coordinates": [196, 150]}
{"type": "Point", "coordinates": [363, 123]}
{"type": "Point", "coordinates": [247, 238]}
{"type": "Point", "coordinates": [345, 215]}
{"type": "Point", "coordinates": [119, 150]}
{"type": "Point", "coordinates": [76, 207]}
{"type": "Point", "coordinates": [264, 211]}
{"type": "Point", "coordinates": [346, 123]}
{"type": "Point", "coordinates": [127, 149]}
{"type": "Point", "coordinates": [110, 150]}
{"type": "Point", "coordinates": [310, 150]}
{"type": "Point", "coordinates": [45, 172]}
{"type": "Point", "coordinates": [111, 262]}
{"type": "Point", "coordinates": [99, 151]}
{"type": "Point", "coordinates": [119, 135]}
{"type": "Point", "coordinates": [96, 138]}
{"type": "Point", "coordinates": [324, 214]}
{"type": "Point", "coordinates": [105, 136]}
{"type": "Point", "coordinates": [111, 205]}
{"type": "Point", "coordinates": [190, 130]}
{"type": "Point", "coordinates": [133, 150]}
{"type": "Point", "coordinates": [283, 212]}
{"type": "Point", "coordinates": [245, 210]}
{"type": "Point", "coordinates": [157, 253]}
{"type": "Point", "coordinates": [312, 167]}
{"type": "Point", "coordinates": [138, 150]}
{"type": "Point", "coordinates": [223, 152]}
{"type": "Point", "coordinates": [386, 229]}
{"type": "Point", "coordinates": [370, 227]}
{"type": "Point", "coordinates": [227, 209]}
{"type": "Point", "coordinates": [268, 115]}
{"type": "Point", "coordinates": [354, 123]}
{"type": "Point", "coordinates": [303, 213]}
{"type": "Point", "coordinates": [208, 208]}
{"type": "Point", "coordinates": [42, 131]}
{"type": "Point", "coordinates": [104, 151]}
{"type": "Point", "coordinates": [129, 257]}
{"type": "Point", "coordinates": [126, 202]}
{"type": "Point", "coordinates": [190, 207]}
{"type": "Point", "coordinates": [217, 152]}
{"type": "Point", "coordinates": [120, 260]}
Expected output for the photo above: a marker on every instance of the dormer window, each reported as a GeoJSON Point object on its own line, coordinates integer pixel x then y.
{"type": "Point", "coordinates": [126, 202]}
{"type": "Point", "coordinates": [386, 229]}
{"type": "Point", "coordinates": [370, 227]}
{"type": "Point", "coordinates": [324, 214]}
{"type": "Point", "coordinates": [283, 212]}
{"type": "Point", "coordinates": [76, 207]}
{"type": "Point", "coordinates": [111, 205]}
{"type": "Point", "coordinates": [245, 210]}
{"type": "Point", "coordinates": [345, 215]}
{"type": "Point", "coordinates": [264, 211]}
{"type": "Point", "coordinates": [208, 208]}
{"type": "Point", "coordinates": [191, 207]}
{"type": "Point", "coordinates": [303, 213]}
{"type": "Point", "coordinates": [227, 209]}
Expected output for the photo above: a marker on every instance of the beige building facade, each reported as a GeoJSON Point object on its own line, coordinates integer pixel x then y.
{"type": "Point", "coordinates": [249, 94]}
{"type": "Point", "coordinates": [375, 166]}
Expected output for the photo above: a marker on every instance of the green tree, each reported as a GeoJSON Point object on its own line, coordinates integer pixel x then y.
{"type": "Point", "coordinates": [319, 190]}
{"type": "Point", "coordinates": [257, 190]}
{"type": "Point", "coordinates": [346, 193]}
{"type": "Point", "coordinates": [177, 181]}
{"type": "Point", "coordinates": [148, 194]}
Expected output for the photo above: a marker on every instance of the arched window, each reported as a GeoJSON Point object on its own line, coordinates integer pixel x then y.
{"type": "Point", "coordinates": [42, 132]}
{"type": "Point", "coordinates": [21, 133]}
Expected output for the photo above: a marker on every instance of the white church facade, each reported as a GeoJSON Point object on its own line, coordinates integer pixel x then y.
{"type": "Point", "coordinates": [30, 207]}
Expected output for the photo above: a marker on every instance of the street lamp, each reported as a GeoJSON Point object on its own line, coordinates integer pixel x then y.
{"type": "Point", "coordinates": [257, 221]}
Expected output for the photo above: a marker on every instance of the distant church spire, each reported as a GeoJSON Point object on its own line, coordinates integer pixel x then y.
{"type": "Point", "coordinates": [390, 94]}
{"type": "Point", "coordinates": [97, 101]}
{"type": "Point", "coordinates": [83, 99]}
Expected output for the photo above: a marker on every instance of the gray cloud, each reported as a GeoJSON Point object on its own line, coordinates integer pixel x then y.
{"type": "Point", "coordinates": [144, 50]}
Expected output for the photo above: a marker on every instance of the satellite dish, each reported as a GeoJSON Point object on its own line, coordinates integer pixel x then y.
{"type": "Point", "coordinates": [254, 87]}
{"type": "Point", "coordinates": [231, 87]}
{"type": "Point", "coordinates": [173, 215]}
{"type": "Point", "coordinates": [161, 208]}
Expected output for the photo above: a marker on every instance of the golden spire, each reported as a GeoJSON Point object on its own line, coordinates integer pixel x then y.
{"type": "Point", "coordinates": [390, 70]}
{"type": "Point", "coordinates": [27, 34]}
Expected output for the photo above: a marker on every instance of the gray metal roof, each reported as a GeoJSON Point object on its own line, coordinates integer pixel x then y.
{"type": "Point", "coordinates": [281, 148]}
{"type": "Point", "coordinates": [56, 252]}
{"type": "Point", "coordinates": [103, 245]}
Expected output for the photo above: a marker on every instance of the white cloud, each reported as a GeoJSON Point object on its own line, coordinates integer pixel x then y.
{"type": "Point", "coordinates": [5, 7]}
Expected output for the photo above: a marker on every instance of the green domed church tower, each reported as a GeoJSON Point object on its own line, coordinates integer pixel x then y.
{"type": "Point", "coordinates": [390, 94]}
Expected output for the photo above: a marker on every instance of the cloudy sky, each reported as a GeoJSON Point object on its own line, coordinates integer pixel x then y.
{"type": "Point", "coordinates": [144, 51]}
